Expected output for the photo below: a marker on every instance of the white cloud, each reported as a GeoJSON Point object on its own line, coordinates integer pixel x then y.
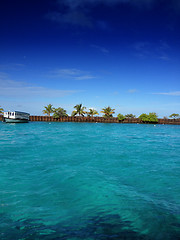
{"type": "Point", "coordinates": [14, 89]}
{"type": "Point", "coordinates": [74, 4]}
{"type": "Point", "coordinates": [102, 49]}
{"type": "Point", "coordinates": [67, 72]}
{"type": "Point", "coordinates": [132, 90]}
{"type": "Point", "coordinates": [84, 77]}
{"type": "Point", "coordinates": [3, 75]}
{"type": "Point", "coordinates": [72, 73]}
{"type": "Point", "coordinates": [164, 57]}
{"type": "Point", "coordinates": [11, 66]}
{"type": "Point", "coordinates": [74, 18]}
{"type": "Point", "coordinates": [78, 12]}
{"type": "Point", "coordinates": [103, 25]}
{"type": "Point", "coordinates": [175, 93]}
{"type": "Point", "coordinates": [158, 50]}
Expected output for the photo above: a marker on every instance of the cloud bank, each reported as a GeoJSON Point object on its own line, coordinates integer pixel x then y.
{"type": "Point", "coordinates": [101, 49]}
{"type": "Point", "coordinates": [74, 4]}
{"type": "Point", "coordinates": [14, 89]}
{"type": "Point", "coordinates": [73, 18]}
{"type": "Point", "coordinates": [72, 74]}
{"type": "Point", "coordinates": [78, 12]}
{"type": "Point", "coordinates": [158, 50]}
{"type": "Point", "coordinates": [132, 90]}
{"type": "Point", "coordinates": [175, 93]}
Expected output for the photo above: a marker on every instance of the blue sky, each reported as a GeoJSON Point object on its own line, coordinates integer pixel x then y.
{"type": "Point", "coordinates": [119, 53]}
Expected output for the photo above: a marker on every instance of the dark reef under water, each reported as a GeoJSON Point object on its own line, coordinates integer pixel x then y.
{"type": "Point", "coordinates": [97, 228]}
{"type": "Point", "coordinates": [107, 227]}
{"type": "Point", "coordinates": [82, 181]}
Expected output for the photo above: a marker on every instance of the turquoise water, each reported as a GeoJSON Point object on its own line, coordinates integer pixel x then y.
{"type": "Point", "coordinates": [89, 181]}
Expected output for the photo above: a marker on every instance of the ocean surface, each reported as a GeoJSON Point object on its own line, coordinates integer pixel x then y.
{"type": "Point", "coordinates": [89, 181]}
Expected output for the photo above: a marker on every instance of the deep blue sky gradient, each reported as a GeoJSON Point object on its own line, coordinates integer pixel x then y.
{"type": "Point", "coordinates": [119, 53]}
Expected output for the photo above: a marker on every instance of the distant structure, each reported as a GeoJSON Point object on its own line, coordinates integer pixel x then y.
{"type": "Point", "coordinates": [16, 117]}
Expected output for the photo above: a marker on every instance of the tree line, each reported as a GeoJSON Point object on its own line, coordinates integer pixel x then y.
{"type": "Point", "coordinates": [108, 112]}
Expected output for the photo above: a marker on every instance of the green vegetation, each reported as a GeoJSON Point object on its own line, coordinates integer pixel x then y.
{"type": "Point", "coordinates": [144, 117]}
{"type": "Point", "coordinates": [80, 110]}
{"type": "Point", "coordinates": [153, 117]}
{"type": "Point", "coordinates": [108, 112]}
{"type": "Point", "coordinates": [130, 115]}
{"type": "Point", "coordinates": [174, 115]}
{"type": "Point", "coordinates": [1, 110]}
{"type": "Point", "coordinates": [48, 110]}
{"type": "Point", "coordinates": [92, 112]}
{"type": "Point", "coordinates": [120, 117]}
{"type": "Point", "coordinates": [149, 118]}
{"type": "Point", "coordinates": [59, 112]}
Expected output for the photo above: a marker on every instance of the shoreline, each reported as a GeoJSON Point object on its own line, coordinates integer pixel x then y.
{"type": "Point", "coordinates": [97, 120]}
{"type": "Point", "coordinates": [100, 120]}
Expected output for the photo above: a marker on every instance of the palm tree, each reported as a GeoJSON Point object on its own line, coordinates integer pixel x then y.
{"type": "Point", "coordinates": [92, 112]}
{"type": "Point", "coordinates": [1, 110]}
{"type": "Point", "coordinates": [108, 112]}
{"type": "Point", "coordinates": [48, 110]}
{"type": "Point", "coordinates": [59, 112]}
{"type": "Point", "coordinates": [80, 110]}
{"type": "Point", "coordinates": [121, 117]}
{"type": "Point", "coordinates": [174, 115]}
